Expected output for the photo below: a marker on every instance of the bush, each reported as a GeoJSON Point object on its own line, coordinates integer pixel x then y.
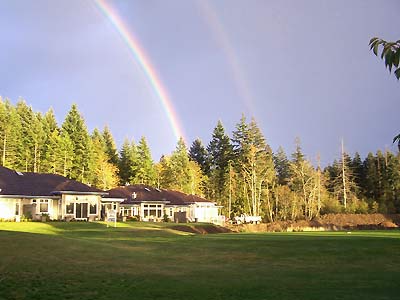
{"type": "Point", "coordinates": [331, 205]}
{"type": "Point", "coordinates": [166, 218]}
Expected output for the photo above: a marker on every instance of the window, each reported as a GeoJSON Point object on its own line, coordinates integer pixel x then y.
{"type": "Point", "coordinates": [154, 210]}
{"type": "Point", "coordinates": [33, 201]}
{"type": "Point", "coordinates": [93, 209]}
{"type": "Point", "coordinates": [170, 212]}
{"type": "Point", "coordinates": [69, 208]}
{"type": "Point", "coordinates": [44, 206]}
{"type": "Point", "coordinates": [17, 209]}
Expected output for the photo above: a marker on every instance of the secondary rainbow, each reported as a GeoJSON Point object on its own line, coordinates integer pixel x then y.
{"type": "Point", "coordinates": [140, 57]}
{"type": "Point", "coordinates": [222, 38]}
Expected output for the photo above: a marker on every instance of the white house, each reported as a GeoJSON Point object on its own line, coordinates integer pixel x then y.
{"type": "Point", "coordinates": [37, 195]}
{"type": "Point", "coordinates": [153, 204]}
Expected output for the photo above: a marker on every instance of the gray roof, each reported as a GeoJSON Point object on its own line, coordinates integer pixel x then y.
{"type": "Point", "coordinates": [14, 183]}
{"type": "Point", "coordinates": [138, 193]}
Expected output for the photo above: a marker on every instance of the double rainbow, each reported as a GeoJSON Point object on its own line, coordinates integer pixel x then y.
{"type": "Point", "coordinates": [140, 56]}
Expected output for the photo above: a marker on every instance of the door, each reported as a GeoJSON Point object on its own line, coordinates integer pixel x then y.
{"type": "Point", "coordinates": [81, 210]}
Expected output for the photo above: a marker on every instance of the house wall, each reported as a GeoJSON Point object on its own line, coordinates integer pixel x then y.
{"type": "Point", "coordinates": [41, 206]}
{"type": "Point", "coordinates": [205, 212]}
{"type": "Point", "coordinates": [7, 208]}
{"type": "Point", "coordinates": [15, 208]}
{"type": "Point", "coordinates": [69, 207]}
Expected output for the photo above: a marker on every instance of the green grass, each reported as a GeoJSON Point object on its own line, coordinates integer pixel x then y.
{"type": "Point", "coordinates": [152, 261]}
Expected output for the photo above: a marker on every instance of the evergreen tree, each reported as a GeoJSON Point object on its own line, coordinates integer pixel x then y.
{"type": "Point", "coordinates": [199, 154]}
{"type": "Point", "coordinates": [105, 172]}
{"type": "Point", "coordinates": [144, 167]}
{"type": "Point", "coordinates": [220, 156]}
{"type": "Point", "coordinates": [127, 162]}
{"type": "Point", "coordinates": [282, 166]}
{"type": "Point", "coordinates": [32, 137]}
{"type": "Point", "coordinates": [10, 136]}
{"type": "Point", "coordinates": [371, 179]}
{"type": "Point", "coordinates": [50, 131]}
{"type": "Point", "coordinates": [177, 172]}
{"type": "Point", "coordinates": [74, 126]}
{"type": "Point", "coordinates": [358, 172]}
{"type": "Point", "coordinates": [255, 164]}
{"type": "Point", "coordinates": [111, 148]}
{"type": "Point", "coordinates": [297, 155]}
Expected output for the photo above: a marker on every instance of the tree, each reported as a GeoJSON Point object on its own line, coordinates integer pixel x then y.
{"type": "Point", "coordinates": [10, 136]}
{"type": "Point", "coordinates": [144, 171]}
{"type": "Point", "coordinates": [199, 154]}
{"type": "Point", "coordinates": [105, 173]}
{"type": "Point", "coordinates": [74, 125]}
{"type": "Point", "coordinates": [127, 161]}
{"type": "Point", "coordinates": [220, 155]}
{"type": "Point", "coordinates": [390, 52]}
{"type": "Point", "coordinates": [282, 167]}
{"type": "Point", "coordinates": [111, 148]}
{"type": "Point", "coordinates": [254, 163]}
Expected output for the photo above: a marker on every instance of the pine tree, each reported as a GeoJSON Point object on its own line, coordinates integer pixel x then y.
{"type": "Point", "coordinates": [32, 137]}
{"type": "Point", "coordinates": [10, 135]}
{"type": "Point", "coordinates": [74, 126]}
{"type": "Point", "coordinates": [199, 154]}
{"type": "Point", "coordinates": [220, 156]}
{"type": "Point", "coordinates": [145, 172]}
{"type": "Point", "coordinates": [50, 130]}
{"type": "Point", "coordinates": [255, 164]}
{"type": "Point", "coordinates": [111, 148]}
{"type": "Point", "coordinates": [127, 162]}
{"type": "Point", "coordinates": [177, 172]}
{"type": "Point", "coordinates": [104, 171]}
{"type": "Point", "coordinates": [358, 172]}
{"type": "Point", "coordinates": [282, 166]}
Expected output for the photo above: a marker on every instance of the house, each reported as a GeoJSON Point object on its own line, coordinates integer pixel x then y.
{"type": "Point", "coordinates": [36, 195]}
{"type": "Point", "coordinates": [39, 196]}
{"type": "Point", "coordinates": [153, 204]}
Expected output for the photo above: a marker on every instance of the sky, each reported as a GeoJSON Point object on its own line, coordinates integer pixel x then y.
{"type": "Point", "coordinates": [301, 68]}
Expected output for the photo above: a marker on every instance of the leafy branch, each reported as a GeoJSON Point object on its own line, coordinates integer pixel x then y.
{"type": "Point", "coordinates": [390, 53]}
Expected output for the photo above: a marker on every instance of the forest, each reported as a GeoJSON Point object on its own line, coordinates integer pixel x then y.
{"type": "Point", "coordinates": [239, 171]}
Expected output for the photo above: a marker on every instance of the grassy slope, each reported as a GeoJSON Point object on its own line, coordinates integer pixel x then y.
{"type": "Point", "coordinates": [151, 261]}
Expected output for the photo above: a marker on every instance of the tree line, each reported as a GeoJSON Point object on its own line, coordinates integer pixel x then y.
{"type": "Point", "coordinates": [238, 171]}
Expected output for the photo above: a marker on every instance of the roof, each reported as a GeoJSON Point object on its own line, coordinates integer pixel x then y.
{"type": "Point", "coordinates": [14, 183]}
{"type": "Point", "coordinates": [138, 193]}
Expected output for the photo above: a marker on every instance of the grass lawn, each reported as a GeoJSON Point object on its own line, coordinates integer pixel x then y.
{"type": "Point", "coordinates": [152, 261]}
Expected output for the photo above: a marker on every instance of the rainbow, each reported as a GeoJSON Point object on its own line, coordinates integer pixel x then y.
{"type": "Point", "coordinates": [150, 72]}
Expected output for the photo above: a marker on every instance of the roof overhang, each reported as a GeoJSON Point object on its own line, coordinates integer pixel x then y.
{"type": "Point", "coordinates": [78, 193]}
{"type": "Point", "coordinates": [28, 197]}
{"type": "Point", "coordinates": [109, 200]}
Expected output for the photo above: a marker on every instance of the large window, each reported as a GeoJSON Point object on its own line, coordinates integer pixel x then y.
{"type": "Point", "coordinates": [44, 206]}
{"type": "Point", "coordinates": [93, 209]}
{"type": "Point", "coordinates": [154, 210]}
{"type": "Point", "coordinates": [69, 208]}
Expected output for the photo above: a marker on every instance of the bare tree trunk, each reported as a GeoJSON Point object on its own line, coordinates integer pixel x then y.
{"type": "Point", "coordinates": [319, 185]}
{"type": "Point", "coordinates": [4, 149]}
{"type": "Point", "coordinates": [230, 190]}
{"type": "Point", "coordinates": [344, 179]}
{"type": "Point", "coordinates": [34, 159]}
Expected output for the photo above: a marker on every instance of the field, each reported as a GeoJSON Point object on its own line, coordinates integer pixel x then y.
{"type": "Point", "coordinates": [154, 261]}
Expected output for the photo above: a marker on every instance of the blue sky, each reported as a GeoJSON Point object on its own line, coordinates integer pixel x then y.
{"type": "Point", "coordinates": [301, 68]}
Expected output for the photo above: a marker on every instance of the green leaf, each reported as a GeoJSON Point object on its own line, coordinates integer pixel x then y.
{"type": "Point", "coordinates": [373, 40]}
{"type": "Point", "coordinates": [397, 73]}
{"type": "Point", "coordinates": [396, 58]}
{"type": "Point", "coordinates": [396, 138]}
{"type": "Point", "coordinates": [376, 46]}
